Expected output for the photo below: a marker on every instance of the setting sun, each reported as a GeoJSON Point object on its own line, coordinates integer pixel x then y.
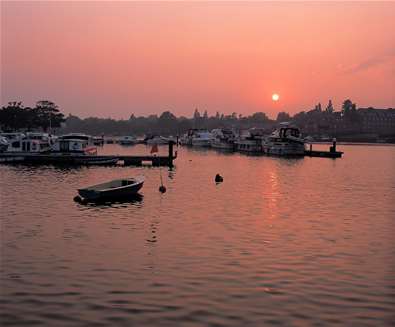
{"type": "Point", "coordinates": [275, 97]}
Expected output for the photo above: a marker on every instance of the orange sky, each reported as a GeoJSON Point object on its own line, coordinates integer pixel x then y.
{"type": "Point", "coordinates": [117, 58]}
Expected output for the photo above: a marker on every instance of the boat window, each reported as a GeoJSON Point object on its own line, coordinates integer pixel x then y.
{"type": "Point", "coordinates": [16, 144]}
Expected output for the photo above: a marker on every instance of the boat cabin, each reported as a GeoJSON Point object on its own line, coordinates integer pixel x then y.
{"type": "Point", "coordinates": [69, 145]}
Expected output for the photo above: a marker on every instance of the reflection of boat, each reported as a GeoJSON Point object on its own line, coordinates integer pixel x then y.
{"type": "Point", "coordinates": [285, 141]}
{"type": "Point", "coordinates": [118, 188]}
{"type": "Point", "coordinates": [127, 140]}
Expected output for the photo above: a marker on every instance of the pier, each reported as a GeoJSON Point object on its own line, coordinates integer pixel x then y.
{"type": "Point", "coordinates": [332, 153]}
{"type": "Point", "coordinates": [83, 159]}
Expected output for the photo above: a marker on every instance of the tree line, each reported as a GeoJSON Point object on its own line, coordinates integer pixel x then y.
{"type": "Point", "coordinates": [46, 115]}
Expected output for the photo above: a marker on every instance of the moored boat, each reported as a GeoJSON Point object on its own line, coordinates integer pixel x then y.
{"type": "Point", "coordinates": [251, 141]}
{"type": "Point", "coordinates": [223, 139]}
{"type": "Point", "coordinates": [127, 140]}
{"type": "Point", "coordinates": [285, 141]}
{"type": "Point", "coordinates": [118, 188]}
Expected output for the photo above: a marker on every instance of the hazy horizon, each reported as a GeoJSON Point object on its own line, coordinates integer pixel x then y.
{"type": "Point", "coordinates": [112, 59]}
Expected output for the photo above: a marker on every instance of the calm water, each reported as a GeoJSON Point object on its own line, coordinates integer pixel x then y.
{"type": "Point", "coordinates": [282, 242]}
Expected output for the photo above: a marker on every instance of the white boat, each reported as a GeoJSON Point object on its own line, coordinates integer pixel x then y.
{"type": "Point", "coordinates": [223, 139]}
{"type": "Point", "coordinates": [26, 143]}
{"type": "Point", "coordinates": [118, 188]}
{"type": "Point", "coordinates": [127, 140]}
{"type": "Point", "coordinates": [251, 141]}
{"type": "Point", "coordinates": [202, 138]}
{"type": "Point", "coordinates": [285, 141]}
{"type": "Point", "coordinates": [69, 146]}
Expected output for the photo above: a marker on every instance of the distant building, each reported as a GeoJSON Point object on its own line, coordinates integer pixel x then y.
{"type": "Point", "coordinates": [380, 121]}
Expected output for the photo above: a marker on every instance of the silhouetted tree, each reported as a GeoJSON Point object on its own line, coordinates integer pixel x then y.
{"type": "Point", "coordinates": [283, 117]}
{"type": "Point", "coordinates": [47, 115]}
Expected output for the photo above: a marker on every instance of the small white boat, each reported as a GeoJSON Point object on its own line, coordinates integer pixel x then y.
{"type": "Point", "coordinates": [118, 188]}
{"type": "Point", "coordinates": [127, 140]}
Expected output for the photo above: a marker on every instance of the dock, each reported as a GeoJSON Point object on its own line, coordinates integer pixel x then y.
{"type": "Point", "coordinates": [83, 159]}
{"type": "Point", "coordinates": [332, 153]}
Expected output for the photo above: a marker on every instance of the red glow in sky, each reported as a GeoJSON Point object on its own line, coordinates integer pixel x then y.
{"type": "Point", "coordinates": [117, 58]}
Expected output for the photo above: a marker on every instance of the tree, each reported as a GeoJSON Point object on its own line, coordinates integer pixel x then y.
{"type": "Point", "coordinates": [47, 115]}
{"type": "Point", "coordinates": [283, 117]}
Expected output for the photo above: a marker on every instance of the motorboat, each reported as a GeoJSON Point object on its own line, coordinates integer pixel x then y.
{"type": "Point", "coordinates": [223, 139]}
{"type": "Point", "coordinates": [285, 141]}
{"type": "Point", "coordinates": [202, 138]}
{"type": "Point", "coordinates": [127, 140]}
{"type": "Point", "coordinates": [26, 143]}
{"type": "Point", "coordinates": [70, 146]}
{"type": "Point", "coordinates": [250, 141]}
{"type": "Point", "coordinates": [118, 188]}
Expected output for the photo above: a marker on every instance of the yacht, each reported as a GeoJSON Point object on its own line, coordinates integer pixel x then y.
{"type": "Point", "coordinates": [70, 146]}
{"type": "Point", "coordinates": [26, 143]}
{"type": "Point", "coordinates": [285, 141]}
{"type": "Point", "coordinates": [251, 141]}
{"type": "Point", "coordinates": [223, 139]}
{"type": "Point", "coordinates": [201, 138]}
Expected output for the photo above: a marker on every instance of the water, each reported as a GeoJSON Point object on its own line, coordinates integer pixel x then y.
{"type": "Point", "coordinates": [282, 242]}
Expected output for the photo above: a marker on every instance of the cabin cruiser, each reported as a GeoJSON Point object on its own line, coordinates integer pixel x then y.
{"type": "Point", "coordinates": [69, 146]}
{"type": "Point", "coordinates": [77, 136]}
{"type": "Point", "coordinates": [197, 137]}
{"type": "Point", "coordinates": [250, 141]}
{"type": "Point", "coordinates": [223, 139]}
{"type": "Point", "coordinates": [27, 143]}
{"type": "Point", "coordinates": [127, 140]}
{"type": "Point", "coordinates": [285, 141]}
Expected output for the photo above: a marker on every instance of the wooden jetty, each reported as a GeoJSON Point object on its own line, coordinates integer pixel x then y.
{"type": "Point", "coordinates": [332, 153]}
{"type": "Point", "coordinates": [76, 159]}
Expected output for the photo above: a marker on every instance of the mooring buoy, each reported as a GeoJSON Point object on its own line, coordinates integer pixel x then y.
{"type": "Point", "coordinates": [219, 178]}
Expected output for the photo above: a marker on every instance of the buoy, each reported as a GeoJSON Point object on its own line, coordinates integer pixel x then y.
{"type": "Point", "coordinates": [219, 178]}
{"type": "Point", "coordinates": [162, 189]}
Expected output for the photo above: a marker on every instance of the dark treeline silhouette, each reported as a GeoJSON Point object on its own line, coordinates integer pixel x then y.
{"type": "Point", "coordinates": [317, 121]}
{"type": "Point", "coordinates": [164, 124]}
{"type": "Point", "coordinates": [43, 116]}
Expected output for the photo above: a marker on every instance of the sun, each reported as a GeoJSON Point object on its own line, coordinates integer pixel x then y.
{"type": "Point", "coordinates": [275, 97]}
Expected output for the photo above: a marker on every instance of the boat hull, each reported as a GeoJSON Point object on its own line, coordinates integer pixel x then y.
{"type": "Point", "coordinates": [114, 193]}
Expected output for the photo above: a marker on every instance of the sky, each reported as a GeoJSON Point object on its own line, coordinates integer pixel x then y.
{"type": "Point", "coordinates": [112, 59]}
